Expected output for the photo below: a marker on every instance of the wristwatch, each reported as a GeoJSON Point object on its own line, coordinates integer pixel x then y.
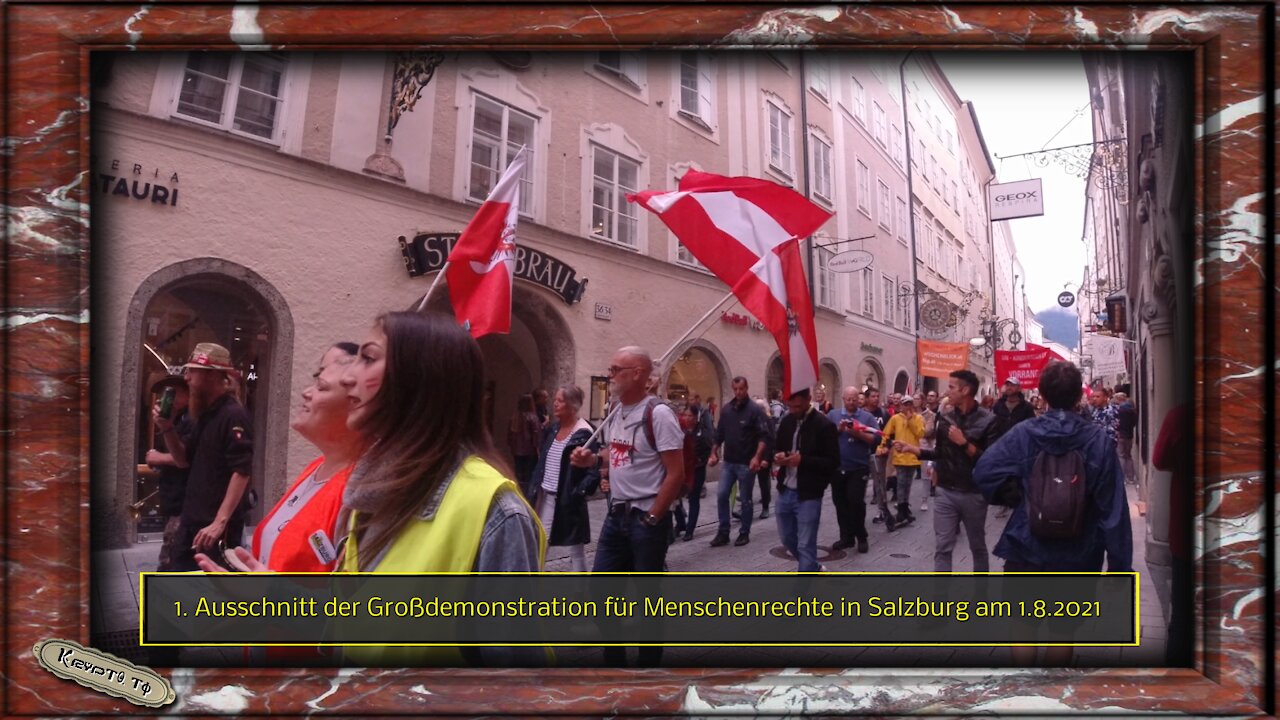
{"type": "Point", "coordinates": [650, 519]}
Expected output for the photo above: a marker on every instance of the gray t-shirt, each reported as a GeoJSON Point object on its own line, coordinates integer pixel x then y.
{"type": "Point", "coordinates": [636, 471]}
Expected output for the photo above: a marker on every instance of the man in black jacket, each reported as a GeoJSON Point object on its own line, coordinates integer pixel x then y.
{"type": "Point", "coordinates": [1013, 407]}
{"type": "Point", "coordinates": [962, 435]}
{"type": "Point", "coordinates": [808, 456]}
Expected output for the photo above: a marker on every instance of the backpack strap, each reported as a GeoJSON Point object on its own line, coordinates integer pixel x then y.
{"type": "Point", "coordinates": [649, 435]}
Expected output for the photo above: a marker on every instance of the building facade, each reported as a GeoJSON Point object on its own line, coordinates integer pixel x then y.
{"type": "Point", "coordinates": [278, 202]}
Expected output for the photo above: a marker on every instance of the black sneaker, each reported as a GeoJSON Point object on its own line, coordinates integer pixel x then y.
{"type": "Point", "coordinates": [720, 539]}
{"type": "Point", "coordinates": [840, 545]}
{"type": "Point", "coordinates": [862, 545]}
{"type": "Point", "coordinates": [742, 540]}
{"type": "Point", "coordinates": [764, 512]}
{"type": "Point", "coordinates": [889, 523]}
{"type": "Point", "coordinates": [687, 536]}
{"type": "Point", "coordinates": [737, 515]}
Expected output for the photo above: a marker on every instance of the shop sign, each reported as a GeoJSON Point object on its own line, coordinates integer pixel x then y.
{"type": "Point", "coordinates": [729, 318]}
{"type": "Point", "coordinates": [139, 183]}
{"type": "Point", "coordinates": [1024, 198]}
{"type": "Point", "coordinates": [850, 261]}
{"type": "Point", "coordinates": [868, 347]}
{"type": "Point", "coordinates": [1066, 299]}
{"type": "Point", "coordinates": [604, 312]}
{"type": "Point", "coordinates": [426, 252]}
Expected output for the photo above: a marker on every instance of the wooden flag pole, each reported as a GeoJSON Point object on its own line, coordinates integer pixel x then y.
{"type": "Point", "coordinates": [663, 359]}
{"type": "Point", "coordinates": [423, 302]}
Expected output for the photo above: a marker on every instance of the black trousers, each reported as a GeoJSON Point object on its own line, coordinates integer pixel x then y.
{"type": "Point", "coordinates": [849, 496]}
{"type": "Point", "coordinates": [765, 495]}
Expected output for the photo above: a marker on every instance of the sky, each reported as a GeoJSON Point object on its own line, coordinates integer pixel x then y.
{"type": "Point", "coordinates": [1026, 102]}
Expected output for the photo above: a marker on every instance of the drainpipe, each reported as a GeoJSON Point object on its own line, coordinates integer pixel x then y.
{"type": "Point", "coordinates": [911, 209]}
{"type": "Point", "coordinates": [804, 151]}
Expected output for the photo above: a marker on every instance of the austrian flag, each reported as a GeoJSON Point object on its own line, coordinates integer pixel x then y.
{"type": "Point", "coordinates": [482, 264]}
{"type": "Point", "coordinates": [747, 232]}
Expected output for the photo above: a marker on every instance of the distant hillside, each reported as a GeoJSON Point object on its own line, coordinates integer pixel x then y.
{"type": "Point", "coordinates": [1061, 326]}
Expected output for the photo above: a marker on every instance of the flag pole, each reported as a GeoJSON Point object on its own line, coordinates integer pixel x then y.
{"type": "Point", "coordinates": [423, 302]}
{"type": "Point", "coordinates": [663, 359]}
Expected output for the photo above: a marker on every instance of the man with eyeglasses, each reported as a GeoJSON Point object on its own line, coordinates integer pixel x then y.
{"type": "Point", "coordinates": [643, 447]}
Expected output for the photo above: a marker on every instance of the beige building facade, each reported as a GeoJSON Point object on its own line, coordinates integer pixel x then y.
{"type": "Point", "coordinates": [276, 203]}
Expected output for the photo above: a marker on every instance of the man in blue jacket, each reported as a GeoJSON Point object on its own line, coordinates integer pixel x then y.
{"type": "Point", "coordinates": [1059, 430]}
{"type": "Point", "coordinates": [1107, 531]}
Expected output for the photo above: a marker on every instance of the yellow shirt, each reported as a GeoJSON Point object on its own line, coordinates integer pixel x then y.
{"type": "Point", "coordinates": [910, 432]}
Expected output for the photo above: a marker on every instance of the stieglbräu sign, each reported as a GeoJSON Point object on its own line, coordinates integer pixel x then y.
{"type": "Point", "coordinates": [427, 252]}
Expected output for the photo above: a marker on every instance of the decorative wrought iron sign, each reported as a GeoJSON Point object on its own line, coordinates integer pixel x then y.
{"type": "Point", "coordinates": [427, 252]}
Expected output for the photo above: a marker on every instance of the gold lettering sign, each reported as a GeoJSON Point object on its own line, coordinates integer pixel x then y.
{"type": "Point", "coordinates": [104, 672]}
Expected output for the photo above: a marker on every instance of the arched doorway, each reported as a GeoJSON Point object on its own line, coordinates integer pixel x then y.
{"type": "Point", "coordinates": [773, 376]}
{"type": "Point", "coordinates": [699, 370]}
{"type": "Point", "coordinates": [870, 374]}
{"type": "Point", "coordinates": [901, 382]}
{"type": "Point", "coordinates": [829, 379]}
{"type": "Point", "coordinates": [195, 301]}
{"type": "Point", "coordinates": [537, 353]}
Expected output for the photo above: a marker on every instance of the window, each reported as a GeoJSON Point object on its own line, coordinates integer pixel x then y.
{"type": "Point", "coordinates": [905, 308]}
{"type": "Point", "coordinates": [885, 205]}
{"type": "Point", "coordinates": [950, 147]}
{"type": "Point", "coordinates": [696, 92]}
{"type": "Point", "coordinates": [940, 253]}
{"type": "Point", "coordinates": [898, 146]}
{"type": "Point", "coordinates": [821, 164]}
{"type": "Point", "coordinates": [902, 221]}
{"type": "Point", "coordinates": [930, 258]}
{"type": "Point", "coordinates": [820, 76]}
{"type": "Point", "coordinates": [889, 299]}
{"type": "Point", "coordinates": [825, 280]}
{"type": "Point", "coordinates": [624, 66]}
{"type": "Point", "coordinates": [869, 291]}
{"type": "Point", "coordinates": [683, 256]}
{"type": "Point", "coordinates": [496, 136]}
{"type": "Point", "coordinates": [779, 140]}
{"type": "Point", "coordinates": [955, 194]}
{"type": "Point", "coordinates": [924, 170]}
{"type": "Point", "coordinates": [881, 127]}
{"type": "Point", "coordinates": [960, 269]}
{"type": "Point", "coordinates": [859, 102]}
{"type": "Point", "coordinates": [942, 188]}
{"type": "Point", "coordinates": [612, 217]}
{"type": "Point", "coordinates": [919, 155]}
{"type": "Point", "coordinates": [864, 188]}
{"type": "Point", "coordinates": [920, 232]}
{"type": "Point", "coordinates": [239, 92]}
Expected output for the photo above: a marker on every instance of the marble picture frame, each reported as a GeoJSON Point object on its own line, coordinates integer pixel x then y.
{"type": "Point", "coordinates": [47, 353]}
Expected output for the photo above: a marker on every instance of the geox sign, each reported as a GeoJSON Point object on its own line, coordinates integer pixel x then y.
{"type": "Point", "coordinates": [1016, 200]}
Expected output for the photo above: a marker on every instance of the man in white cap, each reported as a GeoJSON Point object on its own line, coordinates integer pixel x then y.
{"type": "Point", "coordinates": [1013, 408]}
{"type": "Point", "coordinates": [219, 453]}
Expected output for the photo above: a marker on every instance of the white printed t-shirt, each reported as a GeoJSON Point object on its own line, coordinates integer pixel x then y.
{"type": "Point", "coordinates": [636, 471]}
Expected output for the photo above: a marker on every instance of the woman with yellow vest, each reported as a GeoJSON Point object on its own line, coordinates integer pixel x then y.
{"type": "Point", "coordinates": [907, 426]}
{"type": "Point", "coordinates": [430, 492]}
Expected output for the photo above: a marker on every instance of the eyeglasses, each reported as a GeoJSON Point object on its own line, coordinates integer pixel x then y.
{"type": "Point", "coordinates": [615, 369]}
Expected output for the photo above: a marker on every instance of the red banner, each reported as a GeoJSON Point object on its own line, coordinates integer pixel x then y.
{"type": "Point", "coordinates": [940, 359]}
{"type": "Point", "coordinates": [1024, 365]}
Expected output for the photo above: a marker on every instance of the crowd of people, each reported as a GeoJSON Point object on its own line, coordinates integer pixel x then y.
{"type": "Point", "coordinates": [409, 479]}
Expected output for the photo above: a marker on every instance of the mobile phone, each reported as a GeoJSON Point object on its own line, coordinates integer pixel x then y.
{"type": "Point", "coordinates": [166, 402]}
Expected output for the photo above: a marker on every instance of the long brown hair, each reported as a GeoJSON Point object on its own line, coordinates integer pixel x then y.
{"type": "Point", "coordinates": [427, 417]}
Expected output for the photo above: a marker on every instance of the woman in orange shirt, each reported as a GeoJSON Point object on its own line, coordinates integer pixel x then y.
{"type": "Point", "coordinates": [303, 531]}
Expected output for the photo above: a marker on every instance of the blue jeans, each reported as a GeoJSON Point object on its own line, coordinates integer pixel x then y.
{"type": "Point", "coordinates": [695, 498]}
{"type": "Point", "coordinates": [798, 527]}
{"type": "Point", "coordinates": [734, 473]}
{"type": "Point", "coordinates": [628, 545]}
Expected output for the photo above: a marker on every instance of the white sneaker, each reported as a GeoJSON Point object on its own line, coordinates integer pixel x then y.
{"type": "Point", "coordinates": [924, 505]}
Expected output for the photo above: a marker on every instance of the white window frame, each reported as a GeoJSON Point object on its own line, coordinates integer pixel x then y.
{"type": "Point", "coordinates": [500, 86]}
{"type": "Point", "coordinates": [779, 159]}
{"type": "Point", "coordinates": [703, 116]}
{"type": "Point", "coordinates": [859, 102]}
{"type": "Point", "coordinates": [905, 310]}
{"type": "Point", "coordinates": [286, 130]}
{"type": "Point", "coordinates": [901, 215]}
{"type": "Point", "coordinates": [889, 301]}
{"type": "Point", "coordinates": [613, 139]}
{"type": "Point", "coordinates": [621, 209]}
{"type": "Point", "coordinates": [869, 291]}
{"type": "Point", "coordinates": [821, 168]}
{"type": "Point", "coordinates": [820, 76]}
{"type": "Point", "coordinates": [898, 146]}
{"type": "Point", "coordinates": [526, 180]}
{"type": "Point", "coordinates": [884, 203]}
{"type": "Point", "coordinates": [881, 120]}
{"type": "Point", "coordinates": [940, 253]}
{"type": "Point", "coordinates": [919, 234]}
{"type": "Point", "coordinates": [628, 73]}
{"type": "Point", "coordinates": [824, 280]}
{"type": "Point", "coordinates": [862, 178]}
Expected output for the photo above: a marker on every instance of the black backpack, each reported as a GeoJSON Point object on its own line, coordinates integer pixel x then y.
{"type": "Point", "coordinates": [1056, 496]}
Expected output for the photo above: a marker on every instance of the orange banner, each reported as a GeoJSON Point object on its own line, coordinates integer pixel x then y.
{"type": "Point", "coordinates": [940, 359]}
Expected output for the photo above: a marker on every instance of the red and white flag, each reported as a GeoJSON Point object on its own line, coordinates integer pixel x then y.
{"type": "Point", "coordinates": [482, 263]}
{"type": "Point", "coordinates": [747, 232]}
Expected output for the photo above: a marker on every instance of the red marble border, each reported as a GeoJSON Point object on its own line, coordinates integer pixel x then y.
{"type": "Point", "coordinates": [46, 355]}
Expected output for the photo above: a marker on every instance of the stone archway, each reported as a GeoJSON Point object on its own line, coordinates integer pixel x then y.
{"type": "Point", "coordinates": [901, 381]}
{"type": "Point", "coordinates": [870, 372]}
{"type": "Point", "coordinates": [539, 352]}
{"type": "Point", "coordinates": [712, 373]}
{"type": "Point", "coordinates": [210, 277]}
